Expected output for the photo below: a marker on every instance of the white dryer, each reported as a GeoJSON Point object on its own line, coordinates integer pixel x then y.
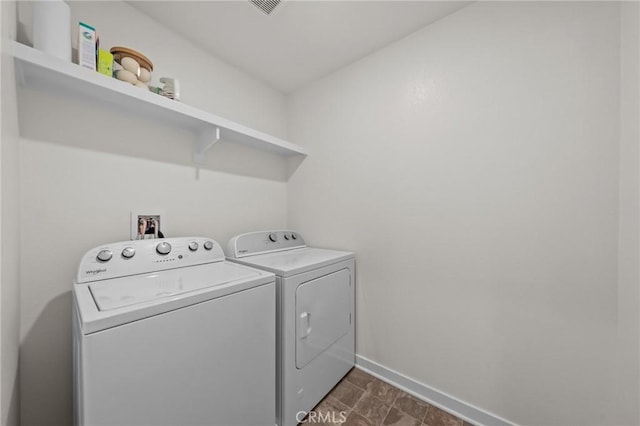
{"type": "Point", "coordinates": [166, 332]}
{"type": "Point", "coordinates": [315, 315]}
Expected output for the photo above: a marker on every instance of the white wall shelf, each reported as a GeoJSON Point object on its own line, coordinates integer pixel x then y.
{"type": "Point", "coordinates": [38, 69]}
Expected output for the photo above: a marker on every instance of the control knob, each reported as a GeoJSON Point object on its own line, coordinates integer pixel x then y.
{"type": "Point", "coordinates": [193, 246]}
{"type": "Point", "coordinates": [128, 252]}
{"type": "Point", "coordinates": [104, 255]}
{"type": "Point", "coordinates": [273, 237]}
{"type": "Point", "coordinates": [208, 245]}
{"type": "Point", "coordinates": [163, 248]}
{"type": "Point", "coordinates": [294, 236]}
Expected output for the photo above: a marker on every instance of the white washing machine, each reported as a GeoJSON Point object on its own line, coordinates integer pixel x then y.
{"type": "Point", "coordinates": [166, 332]}
{"type": "Point", "coordinates": [315, 315]}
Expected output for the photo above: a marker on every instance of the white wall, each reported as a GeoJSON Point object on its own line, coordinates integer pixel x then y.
{"type": "Point", "coordinates": [77, 193]}
{"type": "Point", "coordinates": [9, 227]}
{"type": "Point", "coordinates": [628, 389]}
{"type": "Point", "coordinates": [473, 167]}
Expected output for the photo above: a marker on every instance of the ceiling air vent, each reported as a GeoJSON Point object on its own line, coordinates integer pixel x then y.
{"type": "Point", "coordinates": [266, 6]}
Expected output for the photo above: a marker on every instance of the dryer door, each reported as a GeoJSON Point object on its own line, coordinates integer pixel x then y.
{"type": "Point", "coordinates": [323, 314]}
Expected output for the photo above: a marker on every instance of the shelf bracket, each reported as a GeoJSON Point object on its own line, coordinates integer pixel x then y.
{"type": "Point", "coordinates": [206, 140]}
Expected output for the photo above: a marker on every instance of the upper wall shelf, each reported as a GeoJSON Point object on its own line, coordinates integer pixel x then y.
{"type": "Point", "coordinates": [35, 68]}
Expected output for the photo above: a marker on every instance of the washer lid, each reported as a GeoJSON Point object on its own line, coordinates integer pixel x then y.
{"type": "Point", "coordinates": [121, 292]}
{"type": "Point", "coordinates": [296, 261]}
{"type": "Point", "coordinates": [109, 303]}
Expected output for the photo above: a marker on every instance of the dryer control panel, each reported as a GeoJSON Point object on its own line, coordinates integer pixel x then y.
{"type": "Point", "coordinates": [253, 243]}
{"type": "Point", "coordinates": [127, 258]}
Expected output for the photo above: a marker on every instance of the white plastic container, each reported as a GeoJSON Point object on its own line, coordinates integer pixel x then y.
{"type": "Point", "coordinates": [52, 28]}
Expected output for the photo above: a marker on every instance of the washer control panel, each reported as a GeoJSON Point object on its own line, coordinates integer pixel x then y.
{"type": "Point", "coordinates": [126, 258]}
{"type": "Point", "coordinates": [254, 243]}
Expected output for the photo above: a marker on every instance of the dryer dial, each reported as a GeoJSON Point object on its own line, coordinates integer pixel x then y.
{"type": "Point", "coordinates": [193, 246]}
{"type": "Point", "coordinates": [273, 237]}
{"type": "Point", "coordinates": [208, 245]}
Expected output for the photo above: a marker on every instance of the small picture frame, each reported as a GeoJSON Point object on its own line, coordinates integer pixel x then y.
{"type": "Point", "coordinates": [147, 224]}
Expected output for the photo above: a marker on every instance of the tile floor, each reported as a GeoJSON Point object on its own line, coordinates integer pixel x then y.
{"type": "Point", "coordinates": [363, 400]}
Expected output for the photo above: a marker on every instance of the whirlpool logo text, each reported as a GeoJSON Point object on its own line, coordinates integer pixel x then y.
{"type": "Point", "coordinates": [95, 271]}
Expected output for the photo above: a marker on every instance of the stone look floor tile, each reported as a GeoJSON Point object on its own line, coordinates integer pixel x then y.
{"type": "Point", "coordinates": [359, 378]}
{"type": "Point", "coordinates": [347, 393]}
{"type": "Point", "coordinates": [330, 411]}
{"type": "Point", "coordinates": [397, 417]}
{"type": "Point", "coordinates": [371, 408]}
{"type": "Point", "coordinates": [383, 391]}
{"type": "Point", "coordinates": [355, 419]}
{"type": "Point", "coordinates": [331, 402]}
{"type": "Point", "coordinates": [394, 407]}
{"type": "Point", "coordinates": [411, 405]}
{"type": "Point", "coordinates": [438, 417]}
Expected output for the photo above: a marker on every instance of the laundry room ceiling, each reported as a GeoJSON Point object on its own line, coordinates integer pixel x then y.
{"type": "Point", "coordinates": [300, 40]}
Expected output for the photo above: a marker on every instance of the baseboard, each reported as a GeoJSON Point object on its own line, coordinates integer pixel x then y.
{"type": "Point", "coordinates": [461, 409]}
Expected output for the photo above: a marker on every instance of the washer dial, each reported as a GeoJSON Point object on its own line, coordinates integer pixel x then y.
{"type": "Point", "coordinates": [128, 252]}
{"type": "Point", "coordinates": [104, 255]}
{"type": "Point", "coordinates": [163, 248]}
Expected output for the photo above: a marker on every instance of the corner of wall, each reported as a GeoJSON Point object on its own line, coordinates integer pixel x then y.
{"type": "Point", "coordinates": [9, 235]}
